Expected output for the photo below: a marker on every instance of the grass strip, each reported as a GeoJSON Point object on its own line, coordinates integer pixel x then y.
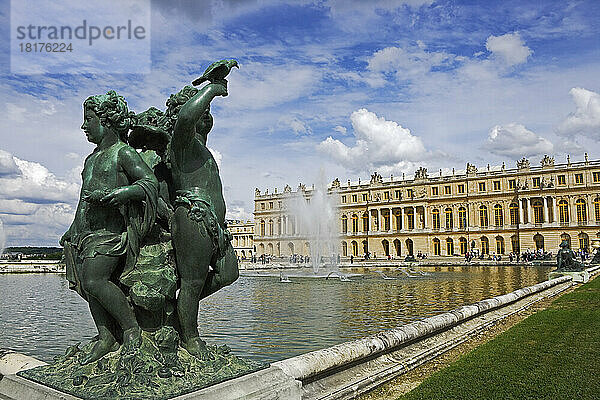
{"type": "Point", "coordinates": [553, 354]}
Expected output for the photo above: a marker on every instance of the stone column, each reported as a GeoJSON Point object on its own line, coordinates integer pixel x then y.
{"type": "Point", "coordinates": [522, 211]}
{"type": "Point", "coordinates": [425, 217]}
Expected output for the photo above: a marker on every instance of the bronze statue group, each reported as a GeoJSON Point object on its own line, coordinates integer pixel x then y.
{"type": "Point", "coordinates": [149, 238]}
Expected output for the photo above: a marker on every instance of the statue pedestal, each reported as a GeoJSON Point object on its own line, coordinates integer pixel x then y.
{"type": "Point", "coordinates": [578, 276]}
{"type": "Point", "coordinates": [271, 383]}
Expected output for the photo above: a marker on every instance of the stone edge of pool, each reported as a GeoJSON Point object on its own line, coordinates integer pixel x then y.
{"type": "Point", "coordinates": [342, 371]}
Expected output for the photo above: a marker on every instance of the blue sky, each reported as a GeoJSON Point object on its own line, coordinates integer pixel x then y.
{"type": "Point", "coordinates": [325, 89]}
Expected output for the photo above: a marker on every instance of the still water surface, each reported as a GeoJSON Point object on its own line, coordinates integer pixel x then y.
{"type": "Point", "coordinates": [260, 317]}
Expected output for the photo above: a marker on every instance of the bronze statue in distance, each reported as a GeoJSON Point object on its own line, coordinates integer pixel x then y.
{"type": "Point", "coordinates": [566, 260]}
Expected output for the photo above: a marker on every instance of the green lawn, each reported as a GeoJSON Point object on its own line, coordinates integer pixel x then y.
{"type": "Point", "coordinates": [553, 354]}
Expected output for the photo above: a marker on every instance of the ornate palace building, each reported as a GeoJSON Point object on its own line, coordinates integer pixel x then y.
{"type": "Point", "coordinates": [498, 211]}
{"type": "Point", "coordinates": [243, 237]}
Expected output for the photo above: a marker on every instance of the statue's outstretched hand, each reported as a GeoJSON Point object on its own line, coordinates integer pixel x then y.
{"type": "Point", "coordinates": [118, 196]}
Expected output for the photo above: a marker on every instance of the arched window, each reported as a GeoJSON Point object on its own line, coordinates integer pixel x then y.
{"type": "Point", "coordinates": [539, 241]}
{"type": "Point", "coordinates": [354, 223]}
{"type": "Point", "coordinates": [270, 228]}
{"type": "Point", "coordinates": [409, 247]}
{"type": "Point", "coordinates": [538, 212]}
{"type": "Point", "coordinates": [462, 218]}
{"type": "Point", "coordinates": [365, 220]}
{"type": "Point", "coordinates": [270, 249]}
{"type": "Point", "coordinates": [435, 214]}
{"type": "Point", "coordinates": [386, 221]}
{"type": "Point", "coordinates": [563, 212]}
{"type": "Point", "coordinates": [514, 242]}
{"type": "Point", "coordinates": [449, 218]}
{"type": "Point", "coordinates": [449, 246]}
{"type": "Point", "coordinates": [261, 249]}
{"type": "Point", "coordinates": [498, 215]}
{"type": "Point", "coordinates": [463, 245]}
{"type": "Point", "coordinates": [386, 247]}
{"type": "Point", "coordinates": [344, 249]}
{"type": "Point", "coordinates": [567, 237]}
{"type": "Point", "coordinates": [344, 224]}
{"type": "Point", "coordinates": [279, 226]}
{"type": "Point", "coordinates": [262, 227]}
{"type": "Point", "coordinates": [291, 247]}
{"type": "Point", "coordinates": [499, 245]}
{"type": "Point", "coordinates": [354, 248]}
{"type": "Point", "coordinates": [584, 241]}
{"type": "Point", "coordinates": [581, 211]}
{"type": "Point", "coordinates": [410, 218]}
{"type": "Point", "coordinates": [514, 213]}
{"type": "Point", "coordinates": [436, 247]}
{"type": "Point", "coordinates": [397, 247]}
{"type": "Point", "coordinates": [483, 216]}
{"type": "Point", "coordinates": [485, 245]}
{"type": "Point", "coordinates": [597, 209]}
{"type": "Point", "coordinates": [398, 216]}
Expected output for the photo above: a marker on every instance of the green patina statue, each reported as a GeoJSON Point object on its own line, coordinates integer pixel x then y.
{"type": "Point", "coordinates": [149, 224]}
{"type": "Point", "coordinates": [566, 260]}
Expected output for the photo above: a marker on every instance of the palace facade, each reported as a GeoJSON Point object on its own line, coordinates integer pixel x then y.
{"type": "Point", "coordinates": [498, 211]}
{"type": "Point", "coordinates": [243, 238]}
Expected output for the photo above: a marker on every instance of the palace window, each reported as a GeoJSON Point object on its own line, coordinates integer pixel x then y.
{"type": "Point", "coordinates": [410, 218]}
{"type": "Point", "coordinates": [435, 213]}
{"type": "Point", "coordinates": [262, 206]}
{"type": "Point", "coordinates": [398, 216]}
{"type": "Point", "coordinates": [536, 182]}
{"type": "Point", "coordinates": [355, 198]}
{"type": "Point", "coordinates": [270, 227]}
{"type": "Point", "coordinates": [563, 211]}
{"type": "Point", "coordinates": [365, 220]}
{"type": "Point", "coordinates": [279, 204]}
{"type": "Point", "coordinates": [485, 245]}
{"type": "Point", "coordinates": [496, 185]}
{"type": "Point", "coordinates": [262, 228]}
{"type": "Point", "coordinates": [434, 191]}
{"type": "Point", "coordinates": [597, 208]}
{"type": "Point", "coordinates": [463, 245]}
{"type": "Point", "coordinates": [538, 212]}
{"type": "Point", "coordinates": [343, 199]}
{"type": "Point", "coordinates": [354, 223]}
{"type": "Point", "coordinates": [447, 189]}
{"type": "Point", "coordinates": [462, 218]}
{"type": "Point", "coordinates": [581, 211]}
{"type": "Point", "coordinates": [499, 245]}
{"type": "Point", "coordinates": [578, 179]}
{"type": "Point", "coordinates": [436, 247]}
{"type": "Point", "coordinates": [596, 176]}
{"type": "Point", "coordinates": [449, 247]}
{"type": "Point", "coordinates": [461, 188]}
{"type": "Point", "coordinates": [344, 249]}
{"type": "Point", "coordinates": [270, 205]}
{"type": "Point", "coordinates": [514, 213]}
{"type": "Point", "coordinates": [449, 219]}
{"type": "Point", "coordinates": [481, 186]}
{"type": "Point", "coordinates": [409, 193]}
{"type": "Point", "coordinates": [498, 215]}
{"type": "Point", "coordinates": [344, 224]}
{"type": "Point", "coordinates": [386, 195]}
{"type": "Point", "coordinates": [483, 216]}
{"type": "Point", "coordinates": [512, 183]}
{"type": "Point", "coordinates": [397, 194]}
{"type": "Point", "coordinates": [562, 179]}
{"type": "Point", "coordinates": [365, 197]}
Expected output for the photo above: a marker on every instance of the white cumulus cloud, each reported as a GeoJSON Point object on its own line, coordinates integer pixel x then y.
{"type": "Point", "coordinates": [509, 47]}
{"type": "Point", "coordinates": [515, 141]}
{"type": "Point", "coordinates": [381, 145]}
{"type": "Point", "coordinates": [586, 117]}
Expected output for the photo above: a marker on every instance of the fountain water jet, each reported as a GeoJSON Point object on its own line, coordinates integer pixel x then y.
{"type": "Point", "coordinates": [316, 213]}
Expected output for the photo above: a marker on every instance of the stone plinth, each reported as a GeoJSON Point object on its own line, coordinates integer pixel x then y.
{"type": "Point", "coordinates": [578, 276]}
